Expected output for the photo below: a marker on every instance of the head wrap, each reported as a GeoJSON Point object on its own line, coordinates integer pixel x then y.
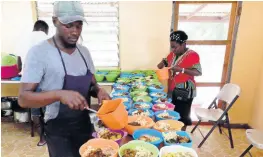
{"type": "Point", "coordinates": [179, 37]}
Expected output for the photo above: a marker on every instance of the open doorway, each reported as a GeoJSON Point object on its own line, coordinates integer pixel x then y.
{"type": "Point", "coordinates": [210, 28]}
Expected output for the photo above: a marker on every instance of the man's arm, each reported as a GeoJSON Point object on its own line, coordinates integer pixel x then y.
{"type": "Point", "coordinates": [30, 99]}
{"type": "Point", "coordinates": [94, 90]}
{"type": "Point", "coordinates": [98, 92]}
{"type": "Point", "coordinates": [34, 70]}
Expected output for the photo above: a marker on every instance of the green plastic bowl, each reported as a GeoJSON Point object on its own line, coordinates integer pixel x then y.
{"type": "Point", "coordinates": [111, 77]}
{"type": "Point", "coordinates": [99, 77]}
{"type": "Point", "coordinates": [138, 93]}
{"type": "Point", "coordinates": [102, 70]}
{"type": "Point", "coordinates": [114, 72]}
{"type": "Point", "coordinates": [136, 143]}
{"type": "Point", "coordinates": [119, 71]}
{"type": "Point", "coordinates": [143, 98]}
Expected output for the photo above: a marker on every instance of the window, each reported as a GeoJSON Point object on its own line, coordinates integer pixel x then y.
{"type": "Point", "coordinates": [100, 36]}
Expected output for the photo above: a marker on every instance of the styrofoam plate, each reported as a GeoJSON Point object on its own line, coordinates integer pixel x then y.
{"type": "Point", "coordinates": [176, 148]}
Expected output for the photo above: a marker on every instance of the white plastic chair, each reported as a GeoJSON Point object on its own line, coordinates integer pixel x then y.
{"type": "Point", "coordinates": [255, 138]}
{"type": "Point", "coordinates": [228, 94]}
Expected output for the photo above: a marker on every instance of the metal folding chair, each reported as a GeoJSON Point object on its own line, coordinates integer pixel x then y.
{"type": "Point", "coordinates": [255, 138]}
{"type": "Point", "coordinates": [228, 94]}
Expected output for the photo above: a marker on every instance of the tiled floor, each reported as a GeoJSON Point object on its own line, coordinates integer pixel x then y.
{"type": "Point", "coordinates": [16, 142]}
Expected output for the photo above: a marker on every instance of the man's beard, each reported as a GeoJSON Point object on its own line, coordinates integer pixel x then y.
{"type": "Point", "coordinates": [67, 45]}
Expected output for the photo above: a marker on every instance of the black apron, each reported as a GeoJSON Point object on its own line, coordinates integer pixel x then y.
{"type": "Point", "coordinates": [71, 128]}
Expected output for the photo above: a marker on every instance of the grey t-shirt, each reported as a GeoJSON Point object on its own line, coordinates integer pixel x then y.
{"type": "Point", "coordinates": [43, 65]}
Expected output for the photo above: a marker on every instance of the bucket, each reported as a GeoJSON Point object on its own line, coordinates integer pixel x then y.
{"type": "Point", "coordinates": [8, 72]}
{"type": "Point", "coordinates": [163, 74]}
{"type": "Point", "coordinates": [113, 114]}
{"type": "Point", "coordinates": [138, 133]}
{"type": "Point", "coordinates": [130, 128]}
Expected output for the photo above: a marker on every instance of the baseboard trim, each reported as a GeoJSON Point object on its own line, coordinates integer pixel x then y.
{"type": "Point", "coordinates": [238, 126]}
{"type": "Point", "coordinates": [232, 126]}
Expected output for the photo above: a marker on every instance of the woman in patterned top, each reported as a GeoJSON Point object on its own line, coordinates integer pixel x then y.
{"type": "Point", "coordinates": [185, 65]}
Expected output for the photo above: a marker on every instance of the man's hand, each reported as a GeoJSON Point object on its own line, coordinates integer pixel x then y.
{"type": "Point", "coordinates": [73, 99]}
{"type": "Point", "coordinates": [103, 95]}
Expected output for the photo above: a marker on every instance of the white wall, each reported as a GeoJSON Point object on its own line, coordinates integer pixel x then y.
{"type": "Point", "coordinates": [16, 19]}
{"type": "Point", "coordinates": [144, 33]}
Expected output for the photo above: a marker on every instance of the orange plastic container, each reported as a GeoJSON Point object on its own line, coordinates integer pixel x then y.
{"type": "Point", "coordinates": [174, 124]}
{"type": "Point", "coordinates": [113, 114]}
{"type": "Point", "coordinates": [163, 74]}
{"type": "Point", "coordinates": [99, 143]}
{"type": "Point", "coordinates": [130, 129]}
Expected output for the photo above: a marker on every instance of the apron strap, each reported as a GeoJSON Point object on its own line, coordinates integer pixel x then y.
{"type": "Point", "coordinates": [60, 55]}
{"type": "Point", "coordinates": [84, 60]}
{"type": "Point", "coordinates": [63, 60]}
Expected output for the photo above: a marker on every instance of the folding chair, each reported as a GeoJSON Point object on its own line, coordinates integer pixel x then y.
{"type": "Point", "coordinates": [228, 94]}
{"type": "Point", "coordinates": [255, 138]}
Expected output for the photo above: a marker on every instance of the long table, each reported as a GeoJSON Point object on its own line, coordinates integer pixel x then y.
{"type": "Point", "coordinates": [128, 138]}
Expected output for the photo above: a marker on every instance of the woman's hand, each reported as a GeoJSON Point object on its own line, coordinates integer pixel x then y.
{"type": "Point", "coordinates": [102, 95]}
{"type": "Point", "coordinates": [160, 65]}
{"type": "Point", "coordinates": [176, 69]}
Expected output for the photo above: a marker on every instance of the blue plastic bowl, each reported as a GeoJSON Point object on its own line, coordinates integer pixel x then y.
{"type": "Point", "coordinates": [102, 72]}
{"type": "Point", "coordinates": [153, 89]}
{"type": "Point", "coordinates": [125, 76]}
{"type": "Point", "coordinates": [154, 101]}
{"type": "Point", "coordinates": [181, 133]}
{"type": "Point", "coordinates": [127, 105]}
{"type": "Point", "coordinates": [176, 115]}
{"type": "Point", "coordinates": [154, 97]}
{"type": "Point", "coordinates": [148, 103]}
{"type": "Point", "coordinates": [120, 84]}
{"type": "Point", "coordinates": [125, 88]}
{"type": "Point", "coordinates": [150, 111]}
{"type": "Point", "coordinates": [117, 94]}
{"type": "Point", "coordinates": [138, 75]}
{"type": "Point", "coordinates": [119, 97]}
{"type": "Point", "coordinates": [138, 133]}
{"type": "Point", "coordinates": [137, 83]}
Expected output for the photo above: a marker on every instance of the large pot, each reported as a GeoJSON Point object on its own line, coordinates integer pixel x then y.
{"type": "Point", "coordinates": [5, 105]}
{"type": "Point", "coordinates": [6, 113]}
{"type": "Point", "coordinates": [21, 117]}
